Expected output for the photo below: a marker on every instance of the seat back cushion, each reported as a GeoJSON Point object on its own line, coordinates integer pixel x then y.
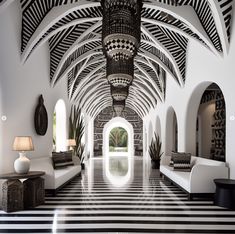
{"type": "Point", "coordinates": [181, 161]}
{"type": "Point", "coordinates": [69, 157]}
{"type": "Point", "coordinates": [58, 159]}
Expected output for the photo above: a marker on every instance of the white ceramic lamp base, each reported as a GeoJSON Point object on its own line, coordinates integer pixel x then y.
{"type": "Point", "coordinates": [22, 164]}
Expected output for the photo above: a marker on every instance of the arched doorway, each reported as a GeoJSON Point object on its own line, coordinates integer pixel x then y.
{"type": "Point", "coordinates": [171, 142]}
{"type": "Point", "coordinates": [118, 126]}
{"type": "Point", "coordinates": [205, 122]}
{"type": "Point", "coordinates": [210, 128]}
{"type": "Point", "coordinates": [118, 156]}
{"type": "Point", "coordinates": [59, 126]}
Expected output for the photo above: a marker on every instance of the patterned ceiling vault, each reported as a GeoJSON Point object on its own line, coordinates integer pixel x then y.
{"type": "Point", "coordinates": [73, 30]}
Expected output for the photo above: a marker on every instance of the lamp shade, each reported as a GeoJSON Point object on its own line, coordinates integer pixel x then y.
{"type": "Point", "coordinates": [71, 142]}
{"type": "Point", "coordinates": [23, 143]}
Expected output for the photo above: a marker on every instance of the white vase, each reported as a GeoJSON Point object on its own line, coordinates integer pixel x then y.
{"type": "Point", "coordinates": [22, 164]}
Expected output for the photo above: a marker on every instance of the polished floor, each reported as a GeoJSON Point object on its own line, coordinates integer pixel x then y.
{"type": "Point", "coordinates": [120, 196]}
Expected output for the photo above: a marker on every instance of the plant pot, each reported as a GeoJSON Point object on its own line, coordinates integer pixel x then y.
{"type": "Point", "coordinates": [82, 166]}
{"type": "Point", "coordinates": [155, 164]}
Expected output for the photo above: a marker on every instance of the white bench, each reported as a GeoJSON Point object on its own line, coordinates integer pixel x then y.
{"type": "Point", "coordinates": [55, 178]}
{"type": "Point", "coordinates": [200, 179]}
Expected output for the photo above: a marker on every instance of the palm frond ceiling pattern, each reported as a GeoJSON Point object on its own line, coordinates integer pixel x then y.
{"type": "Point", "coordinates": [73, 31]}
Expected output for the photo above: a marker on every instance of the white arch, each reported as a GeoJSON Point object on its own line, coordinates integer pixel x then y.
{"type": "Point", "coordinates": [118, 122]}
{"type": "Point", "coordinates": [60, 112]}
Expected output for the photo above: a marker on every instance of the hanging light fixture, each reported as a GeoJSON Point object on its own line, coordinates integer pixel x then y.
{"type": "Point", "coordinates": [118, 107]}
{"type": "Point", "coordinates": [119, 94]}
{"type": "Point", "coordinates": [121, 28]}
{"type": "Point", "coordinates": [120, 73]}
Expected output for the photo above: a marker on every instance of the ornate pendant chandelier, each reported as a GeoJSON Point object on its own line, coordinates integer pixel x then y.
{"type": "Point", "coordinates": [118, 107]}
{"type": "Point", "coordinates": [119, 94]}
{"type": "Point", "coordinates": [121, 28]}
{"type": "Point", "coordinates": [120, 73]}
{"type": "Point", "coordinates": [121, 39]}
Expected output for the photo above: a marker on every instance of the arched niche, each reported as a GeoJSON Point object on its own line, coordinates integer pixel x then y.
{"type": "Point", "coordinates": [201, 120]}
{"type": "Point", "coordinates": [171, 141]}
{"type": "Point", "coordinates": [210, 127]}
{"type": "Point", "coordinates": [59, 126]}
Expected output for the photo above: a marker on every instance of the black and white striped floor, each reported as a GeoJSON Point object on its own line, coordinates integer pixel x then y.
{"type": "Point", "coordinates": [146, 204]}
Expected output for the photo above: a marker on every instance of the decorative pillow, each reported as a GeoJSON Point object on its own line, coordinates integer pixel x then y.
{"type": "Point", "coordinates": [69, 157]}
{"type": "Point", "coordinates": [58, 159]}
{"type": "Point", "coordinates": [181, 161]}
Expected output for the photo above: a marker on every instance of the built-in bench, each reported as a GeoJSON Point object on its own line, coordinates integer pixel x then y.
{"type": "Point", "coordinates": [55, 178]}
{"type": "Point", "coordinates": [198, 181]}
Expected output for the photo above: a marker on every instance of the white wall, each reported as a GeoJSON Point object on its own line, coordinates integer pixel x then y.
{"type": "Point", "coordinates": [203, 68]}
{"type": "Point", "coordinates": [20, 87]}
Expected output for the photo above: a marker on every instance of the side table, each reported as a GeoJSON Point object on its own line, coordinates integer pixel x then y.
{"type": "Point", "coordinates": [225, 193]}
{"type": "Point", "coordinates": [17, 195]}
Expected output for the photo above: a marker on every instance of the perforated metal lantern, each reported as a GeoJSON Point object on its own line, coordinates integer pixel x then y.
{"type": "Point", "coordinates": [121, 28]}
{"type": "Point", "coordinates": [118, 107]}
{"type": "Point", "coordinates": [119, 94]}
{"type": "Point", "coordinates": [120, 73]}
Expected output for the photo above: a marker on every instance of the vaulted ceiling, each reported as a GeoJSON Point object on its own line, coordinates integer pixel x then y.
{"type": "Point", "coordinates": [73, 31]}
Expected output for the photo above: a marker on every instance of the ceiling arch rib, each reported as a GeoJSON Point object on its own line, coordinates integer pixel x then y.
{"type": "Point", "coordinates": [74, 34]}
{"type": "Point", "coordinates": [135, 93]}
{"type": "Point", "coordinates": [95, 80]}
{"type": "Point", "coordinates": [39, 19]}
{"type": "Point", "coordinates": [159, 58]}
{"type": "Point", "coordinates": [145, 90]}
{"type": "Point", "coordinates": [85, 79]}
{"type": "Point", "coordinates": [72, 81]}
{"type": "Point", "coordinates": [186, 32]}
{"type": "Point", "coordinates": [222, 11]}
{"type": "Point", "coordinates": [71, 52]}
{"type": "Point", "coordinates": [182, 11]}
{"type": "Point", "coordinates": [61, 42]}
{"type": "Point", "coordinates": [168, 41]}
{"type": "Point", "coordinates": [79, 58]}
{"type": "Point", "coordinates": [89, 92]}
{"type": "Point", "coordinates": [149, 71]}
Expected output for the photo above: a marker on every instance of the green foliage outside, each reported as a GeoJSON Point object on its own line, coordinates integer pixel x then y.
{"type": "Point", "coordinates": [118, 138]}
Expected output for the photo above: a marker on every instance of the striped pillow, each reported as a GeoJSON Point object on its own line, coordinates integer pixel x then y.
{"type": "Point", "coordinates": [182, 161]}
{"type": "Point", "coordinates": [69, 157]}
{"type": "Point", "coordinates": [58, 159]}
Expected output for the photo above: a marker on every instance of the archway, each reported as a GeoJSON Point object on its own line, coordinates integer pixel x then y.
{"type": "Point", "coordinates": [210, 128]}
{"type": "Point", "coordinates": [171, 141]}
{"type": "Point", "coordinates": [118, 166]}
{"type": "Point", "coordinates": [59, 126]}
{"type": "Point", "coordinates": [118, 122]}
{"type": "Point", "coordinates": [198, 116]}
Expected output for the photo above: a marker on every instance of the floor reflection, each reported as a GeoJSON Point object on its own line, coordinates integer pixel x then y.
{"type": "Point", "coordinates": [118, 170]}
{"type": "Point", "coordinates": [118, 166]}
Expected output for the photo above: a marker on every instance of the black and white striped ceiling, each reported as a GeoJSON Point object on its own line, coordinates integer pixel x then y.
{"type": "Point", "coordinates": [73, 30]}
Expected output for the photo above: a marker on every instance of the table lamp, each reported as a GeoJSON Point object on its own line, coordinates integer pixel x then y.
{"type": "Point", "coordinates": [71, 143]}
{"type": "Point", "coordinates": [22, 144]}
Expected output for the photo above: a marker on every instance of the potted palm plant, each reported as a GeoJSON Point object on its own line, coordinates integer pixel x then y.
{"type": "Point", "coordinates": [155, 151]}
{"type": "Point", "coordinates": [76, 131]}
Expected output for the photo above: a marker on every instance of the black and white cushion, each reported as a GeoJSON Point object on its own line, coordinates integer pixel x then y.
{"type": "Point", "coordinates": [58, 159]}
{"type": "Point", "coordinates": [181, 161]}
